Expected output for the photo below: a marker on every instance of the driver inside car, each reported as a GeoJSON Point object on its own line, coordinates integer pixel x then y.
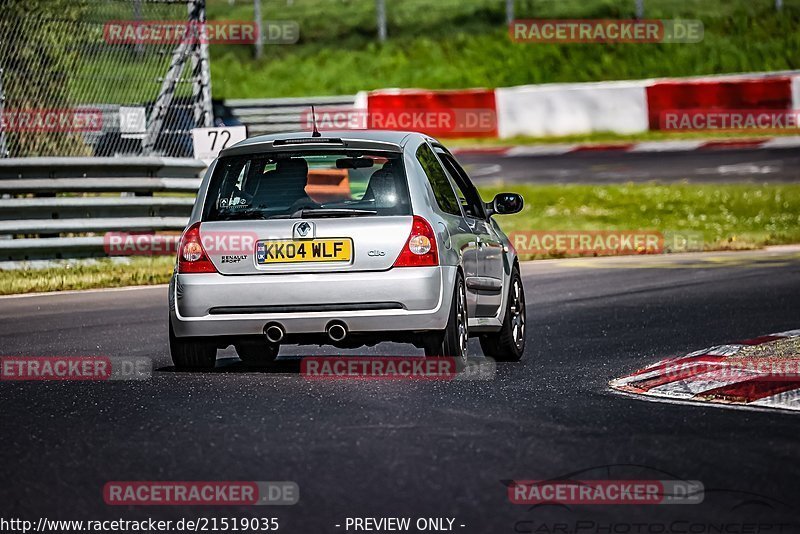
{"type": "Point", "coordinates": [382, 189]}
{"type": "Point", "coordinates": [285, 186]}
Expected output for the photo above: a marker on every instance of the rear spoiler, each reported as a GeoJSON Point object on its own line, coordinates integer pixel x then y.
{"type": "Point", "coordinates": [253, 146]}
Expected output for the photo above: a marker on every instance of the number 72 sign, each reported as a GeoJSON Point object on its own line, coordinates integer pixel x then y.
{"type": "Point", "coordinates": [209, 141]}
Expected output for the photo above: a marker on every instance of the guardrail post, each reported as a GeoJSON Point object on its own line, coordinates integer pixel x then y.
{"type": "Point", "coordinates": [380, 8]}
{"type": "Point", "coordinates": [257, 20]}
{"type": "Point", "coordinates": [3, 147]}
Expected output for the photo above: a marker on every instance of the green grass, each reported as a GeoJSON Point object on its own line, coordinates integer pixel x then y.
{"type": "Point", "coordinates": [729, 217]}
{"type": "Point", "coordinates": [69, 275]}
{"type": "Point", "coordinates": [464, 43]}
{"type": "Point", "coordinates": [737, 216]}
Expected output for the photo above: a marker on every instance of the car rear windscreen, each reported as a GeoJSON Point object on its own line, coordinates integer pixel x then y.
{"type": "Point", "coordinates": [269, 186]}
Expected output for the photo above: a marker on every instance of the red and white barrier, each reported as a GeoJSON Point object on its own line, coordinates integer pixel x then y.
{"type": "Point", "coordinates": [717, 95]}
{"type": "Point", "coordinates": [624, 107]}
{"type": "Point", "coordinates": [460, 113]}
{"type": "Point", "coordinates": [795, 92]}
{"type": "Point", "coordinates": [574, 108]}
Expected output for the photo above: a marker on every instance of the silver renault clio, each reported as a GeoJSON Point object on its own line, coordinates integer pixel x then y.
{"type": "Point", "coordinates": [349, 238]}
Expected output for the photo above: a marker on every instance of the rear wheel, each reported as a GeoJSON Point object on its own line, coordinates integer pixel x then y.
{"type": "Point", "coordinates": [256, 352]}
{"type": "Point", "coordinates": [453, 341]}
{"type": "Point", "coordinates": [508, 344]}
{"type": "Point", "coordinates": [190, 353]}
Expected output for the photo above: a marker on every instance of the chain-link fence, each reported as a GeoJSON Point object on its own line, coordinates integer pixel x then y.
{"type": "Point", "coordinates": [82, 78]}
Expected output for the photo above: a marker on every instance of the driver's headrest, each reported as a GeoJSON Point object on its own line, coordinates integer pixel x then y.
{"type": "Point", "coordinates": [295, 165]}
{"type": "Point", "coordinates": [390, 166]}
{"type": "Point", "coordinates": [382, 187]}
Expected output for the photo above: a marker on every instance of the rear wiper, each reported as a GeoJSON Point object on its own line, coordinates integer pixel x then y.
{"type": "Point", "coordinates": [331, 212]}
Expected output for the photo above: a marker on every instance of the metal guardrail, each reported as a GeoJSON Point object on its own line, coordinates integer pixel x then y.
{"type": "Point", "coordinates": [276, 115]}
{"type": "Point", "coordinates": [112, 168]}
{"type": "Point", "coordinates": [98, 185]}
{"type": "Point", "coordinates": [23, 211]}
{"type": "Point", "coordinates": [54, 208]}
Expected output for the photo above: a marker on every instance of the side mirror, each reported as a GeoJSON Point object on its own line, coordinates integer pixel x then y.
{"type": "Point", "coordinates": [505, 204]}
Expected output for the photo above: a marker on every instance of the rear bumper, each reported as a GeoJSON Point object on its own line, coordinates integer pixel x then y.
{"type": "Point", "coordinates": [400, 299]}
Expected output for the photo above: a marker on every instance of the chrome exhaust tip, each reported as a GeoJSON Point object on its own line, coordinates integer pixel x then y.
{"type": "Point", "coordinates": [274, 332]}
{"type": "Point", "coordinates": [337, 331]}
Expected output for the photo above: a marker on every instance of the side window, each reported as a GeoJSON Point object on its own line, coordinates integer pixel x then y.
{"type": "Point", "coordinates": [467, 194]}
{"type": "Point", "coordinates": [444, 194]}
{"type": "Point", "coordinates": [462, 198]}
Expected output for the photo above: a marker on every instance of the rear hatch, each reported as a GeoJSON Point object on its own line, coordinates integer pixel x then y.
{"type": "Point", "coordinates": [329, 244]}
{"type": "Point", "coordinates": [322, 210]}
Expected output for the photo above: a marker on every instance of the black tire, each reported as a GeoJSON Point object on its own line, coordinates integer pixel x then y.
{"type": "Point", "coordinates": [453, 340]}
{"type": "Point", "coordinates": [190, 353]}
{"type": "Point", "coordinates": [508, 343]}
{"type": "Point", "coordinates": [256, 352]}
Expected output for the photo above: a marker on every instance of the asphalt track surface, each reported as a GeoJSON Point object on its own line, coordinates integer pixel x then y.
{"type": "Point", "coordinates": [600, 167]}
{"type": "Point", "coordinates": [420, 449]}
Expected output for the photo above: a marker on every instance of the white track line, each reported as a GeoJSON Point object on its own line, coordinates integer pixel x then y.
{"type": "Point", "coordinates": [705, 404]}
{"type": "Point", "coordinates": [81, 291]}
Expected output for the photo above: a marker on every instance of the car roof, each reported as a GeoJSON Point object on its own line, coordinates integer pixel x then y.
{"type": "Point", "coordinates": [366, 139]}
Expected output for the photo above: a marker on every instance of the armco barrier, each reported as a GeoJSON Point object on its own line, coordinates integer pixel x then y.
{"type": "Point", "coordinates": [37, 220]}
{"type": "Point", "coordinates": [573, 108]}
{"type": "Point", "coordinates": [275, 115]}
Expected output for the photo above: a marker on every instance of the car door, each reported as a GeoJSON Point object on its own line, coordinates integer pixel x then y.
{"type": "Point", "coordinates": [490, 252]}
{"type": "Point", "coordinates": [462, 237]}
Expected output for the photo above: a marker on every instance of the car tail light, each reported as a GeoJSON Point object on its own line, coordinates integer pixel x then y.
{"type": "Point", "coordinates": [420, 249]}
{"type": "Point", "coordinates": [192, 257]}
